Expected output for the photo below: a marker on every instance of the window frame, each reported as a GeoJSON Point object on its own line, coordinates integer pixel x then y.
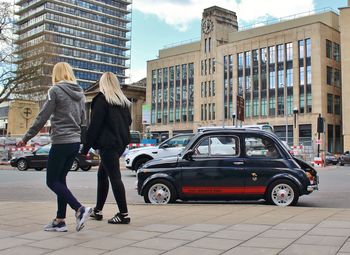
{"type": "Point", "coordinates": [209, 155]}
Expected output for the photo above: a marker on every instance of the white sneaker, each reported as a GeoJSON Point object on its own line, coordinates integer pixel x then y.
{"type": "Point", "coordinates": [81, 216]}
{"type": "Point", "coordinates": [55, 226]}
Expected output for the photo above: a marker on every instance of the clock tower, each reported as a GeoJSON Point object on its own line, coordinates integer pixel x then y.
{"type": "Point", "coordinates": [217, 24]}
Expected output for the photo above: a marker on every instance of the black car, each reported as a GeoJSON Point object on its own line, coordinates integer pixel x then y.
{"type": "Point", "coordinates": [331, 159]}
{"type": "Point", "coordinates": [38, 160]}
{"type": "Point", "coordinates": [228, 164]}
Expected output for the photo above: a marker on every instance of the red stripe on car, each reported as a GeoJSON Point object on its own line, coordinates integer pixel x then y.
{"type": "Point", "coordinates": [224, 190]}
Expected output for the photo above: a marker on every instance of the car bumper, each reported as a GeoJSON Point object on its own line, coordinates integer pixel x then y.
{"type": "Point", "coordinates": [13, 163]}
{"type": "Point", "coordinates": [311, 188]}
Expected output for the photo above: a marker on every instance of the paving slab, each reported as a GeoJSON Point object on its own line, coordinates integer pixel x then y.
{"type": "Point", "coordinates": [251, 251]}
{"type": "Point", "coordinates": [192, 251]}
{"type": "Point", "coordinates": [268, 242]}
{"type": "Point", "coordinates": [214, 243]}
{"type": "Point", "coordinates": [302, 249]}
{"type": "Point", "coordinates": [322, 240]}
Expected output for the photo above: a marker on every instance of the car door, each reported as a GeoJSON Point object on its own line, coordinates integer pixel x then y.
{"type": "Point", "coordinates": [40, 157]}
{"type": "Point", "coordinates": [215, 170]}
{"type": "Point", "coordinates": [173, 146]}
{"type": "Point", "coordinates": [263, 160]}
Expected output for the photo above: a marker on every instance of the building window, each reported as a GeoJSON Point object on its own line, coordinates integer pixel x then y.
{"type": "Point", "coordinates": [247, 108]}
{"type": "Point", "coordinates": [289, 77]}
{"type": "Point", "coordinates": [280, 80]}
{"type": "Point", "coordinates": [336, 52]}
{"type": "Point", "coordinates": [309, 102]}
{"type": "Point", "coordinates": [202, 112]}
{"type": "Point", "coordinates": [240, 60]}
{"type": "Point", "coordinates": [202, 67]}
{"type": "Point", "coordinates": [305, 134]}
{"type": "Point", "coordinates": [280, 53]}
{"type": "Point", "coordinates": [209, 44]}
{"type": "Point", "coordinates": [329, 103]}
{"type": "Point", "coordinates": [213, 111]}
{"type": "Point", "coordinates": [337, 78]}
{"type": "Point", "coordinates": [213, 88]}
{"type": "Point", "coordinates": [247, 55]}
{"type": "Point", "coordinates": [272, 108]}
{"type": "Point", "coordinates": [205, 45]}
{"type": "Point", "coordinates": [213, 65]}
{"type": "Point", "coordinates": [328, 49]}
{"type": "Point", "coordinates": [263, 56]}
{"type": "Point", "coordinates": [301, 49]}
{"type": "Point", "coordinates": [280, 105]}
{"type": "Point", "coordinates": [329, 75]}
{"type": "Point", "coordinates": [272, 54]}
{"type": "Point", "coordinates": [308, 75]}
{"type": "Point", "coordinates": [202, 89]}
{"type": "Point", "coordinates": [263, 106]}
{"type": "Point", "coordinates": [338, 143]}
{"type": "Point", "coordinates": [301, 76]}
{"type": "Point", "coordinates": [255, 108]}
{"type": "Point", "coordinates": [272, 78]}
{"type": "Point", "coordinates": [337, 105]}
{"type": "Point", "coordinates": [289, 51]}
{"type": "Point", "coordinates": [308, 48]}
{"type": "Point", "coordinates": [302, 103]}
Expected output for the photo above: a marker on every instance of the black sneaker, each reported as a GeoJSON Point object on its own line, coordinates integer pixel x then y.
{"type": "Point", "coordinates": [96, 214]}
{"type": "Point", "coordinates": [81, 216]}
{"type": "Point", "coordinates": [119, 219]}
{"type": "Point", "coordinates": [55, 226]}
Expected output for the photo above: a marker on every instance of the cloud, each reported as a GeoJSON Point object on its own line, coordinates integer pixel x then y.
{"type": "Point", "coordinates": [136, 74]}
{"type": "Point", "coordinates": [180, 13]}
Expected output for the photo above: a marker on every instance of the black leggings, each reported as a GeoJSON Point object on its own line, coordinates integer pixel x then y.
{"type": "Point", "coordinates": [109, 167]}
{"type": "Point", "coordinates": [61, 157]}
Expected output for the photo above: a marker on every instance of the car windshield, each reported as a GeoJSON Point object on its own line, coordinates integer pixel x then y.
{"type": "Point", "coordinates": [43, 150]}
{"type": "Point", "coordinates": [178, 141]}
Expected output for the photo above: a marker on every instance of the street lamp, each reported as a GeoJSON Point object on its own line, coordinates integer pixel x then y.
{"type": "Point", "coordinates": [295, 112]}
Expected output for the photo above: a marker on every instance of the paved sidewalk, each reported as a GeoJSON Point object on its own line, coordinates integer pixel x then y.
{"type": "Point", "coordinates": [182, 229]}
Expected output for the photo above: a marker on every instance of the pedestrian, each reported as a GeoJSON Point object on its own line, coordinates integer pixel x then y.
{"type": "Point", "coordinates": [65, 105]}
{"type": "Point", "coordinates": [109, 132]}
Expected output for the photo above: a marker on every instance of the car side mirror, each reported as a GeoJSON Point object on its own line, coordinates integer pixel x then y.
{"type": "Point", "coordinates": [188, 154]}
{"type": "Point", "coordinates": [165, 146]}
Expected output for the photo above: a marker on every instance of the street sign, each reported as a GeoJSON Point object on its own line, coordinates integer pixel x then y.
{"type": "Point", "coordinates": [240, 108]}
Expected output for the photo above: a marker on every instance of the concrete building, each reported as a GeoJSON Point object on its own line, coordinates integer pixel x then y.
{"type": "Point", "coordinates": [92, 36]}
{"type": "Point", "coordinates": [286, 70]}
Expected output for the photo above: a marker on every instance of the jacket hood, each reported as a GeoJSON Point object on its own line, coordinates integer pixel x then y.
{"type": "Point", "coordinates": [72, 90]}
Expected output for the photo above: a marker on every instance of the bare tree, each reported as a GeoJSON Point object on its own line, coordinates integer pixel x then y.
{"type": "Point", "coordinates": [13, 74]}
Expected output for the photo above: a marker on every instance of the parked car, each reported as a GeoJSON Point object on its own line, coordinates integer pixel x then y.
{"type": "Point", "coordinates": [38, 160]}
{"type": "Point", "coordinates": [344, 158]}
{"type": "Point", "coordinates": [225, 164]}
{"type": "Point", "coordinates": [331, 159]}
{"type": "Point", "coordinates": [136, 158]}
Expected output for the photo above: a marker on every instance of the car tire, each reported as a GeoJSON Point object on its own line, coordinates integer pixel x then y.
{"type": "Point", "coordinates": [75, 165]}
{"type": "Point", "coordinates": [22, 165]}
{"type": "Point", "coordinates": [140, 162]}
{"type": "Point", "coordinates": [38, 168]}
{"type": "Point", "coordinates": [86, 168]}
{"type": "Point", "coordinates": [160, 191]}
{"type": "Point", "coordinates": [282, 193]}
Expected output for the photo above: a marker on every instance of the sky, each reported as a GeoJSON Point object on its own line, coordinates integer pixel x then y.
{"type": "Point", "coordinates": [160, 23]}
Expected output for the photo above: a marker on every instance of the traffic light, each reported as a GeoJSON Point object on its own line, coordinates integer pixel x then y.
{"type": "Point", "coordinates": [320, 124]}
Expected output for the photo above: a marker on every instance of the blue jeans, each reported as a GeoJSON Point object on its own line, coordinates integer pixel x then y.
{"type": "Point", "coordinates": [61, 157]}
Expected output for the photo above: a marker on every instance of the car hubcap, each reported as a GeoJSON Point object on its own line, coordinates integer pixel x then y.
{"type": "Point", "coordinates": [159, 194]}
{"type": "Point", "coordinates": [282, 195]}
{"type": "Point", "coordinates": [22, 164]}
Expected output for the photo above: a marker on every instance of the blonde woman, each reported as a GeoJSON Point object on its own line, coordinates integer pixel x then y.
{"type": "Point", "coordinates": [65, 105]}
{"type": "Point", "coordinates": [109, 133]}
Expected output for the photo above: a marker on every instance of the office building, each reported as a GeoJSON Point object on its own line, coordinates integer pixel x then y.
{"type": "Point", "coordinates": [288, 71]}
{"type": "Point", "coordinates": [92, 36]}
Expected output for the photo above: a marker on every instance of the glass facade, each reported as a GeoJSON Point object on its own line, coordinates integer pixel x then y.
{"type": "Point", "coordinates": [172, 95]}
{"type": "Point", "coordinates": [92, 36]}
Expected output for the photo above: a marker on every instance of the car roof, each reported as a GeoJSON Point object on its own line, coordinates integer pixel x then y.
{"type": "Point", "coordinates": [234, 130]}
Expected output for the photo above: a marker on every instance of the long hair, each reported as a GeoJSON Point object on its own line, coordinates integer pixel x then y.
{"type": "Point", "coordinates": [62, 71]}
{"type": "Point", "coordinates": [110, 87]}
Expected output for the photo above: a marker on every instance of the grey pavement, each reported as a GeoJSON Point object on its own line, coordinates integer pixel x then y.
{"type": "Point", "coordinates": [180, 229]}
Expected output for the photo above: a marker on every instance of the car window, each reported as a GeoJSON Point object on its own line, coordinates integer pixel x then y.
{"type": "Point", "coordinates": [258, 147]}
{"type": "Point", "coordinates": [179, 141]}
{"type": "Point", "coordinates": [217, 146]}
{"type": "Point", "coordinates": [43, 150]}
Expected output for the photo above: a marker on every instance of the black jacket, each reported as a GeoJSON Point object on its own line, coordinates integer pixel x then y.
{"type": "Point", "coordinates": [109, 126]}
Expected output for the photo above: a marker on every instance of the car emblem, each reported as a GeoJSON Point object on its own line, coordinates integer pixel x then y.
{"type": "Point", "coordinates": [254, 177]}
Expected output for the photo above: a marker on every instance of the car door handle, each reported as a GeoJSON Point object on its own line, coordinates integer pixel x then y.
{"type": "Point", "coordinates": [238, 163]}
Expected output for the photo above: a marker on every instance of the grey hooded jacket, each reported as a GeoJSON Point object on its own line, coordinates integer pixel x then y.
{"type": "Point", "coordinates": [66, 105]}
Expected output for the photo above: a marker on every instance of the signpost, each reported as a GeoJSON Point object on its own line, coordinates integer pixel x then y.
{"type": "Point", "coordinates": [240, 108]}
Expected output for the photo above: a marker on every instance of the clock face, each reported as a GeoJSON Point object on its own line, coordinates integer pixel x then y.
{"type": "Point", "coordinates": [207, 26]}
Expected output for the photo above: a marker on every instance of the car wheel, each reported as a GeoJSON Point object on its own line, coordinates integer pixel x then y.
{"type": "Point", "coordinates": [75, 165]}
{"type": "Point", "coordinates": [22, 165]}
{"type": "Point", "coordinates": [86, 168]}
{"type": "Point", "coordinates": [160, 192]}
{"type": "Point", "coordinates": [282, 193]}
{"type": "Point", "coordinates": [140, 162]}
{"type": "Point", "coordinates": [38, 168]}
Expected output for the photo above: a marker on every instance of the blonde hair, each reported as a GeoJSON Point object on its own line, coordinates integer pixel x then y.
{"type": "Point", "coordinates": [110, 87]}
{"type": "Point", "coordinates": [62, 71]}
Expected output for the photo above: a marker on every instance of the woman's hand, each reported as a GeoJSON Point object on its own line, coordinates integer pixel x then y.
{"type": "Point", "coordinates": [21, 143]}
